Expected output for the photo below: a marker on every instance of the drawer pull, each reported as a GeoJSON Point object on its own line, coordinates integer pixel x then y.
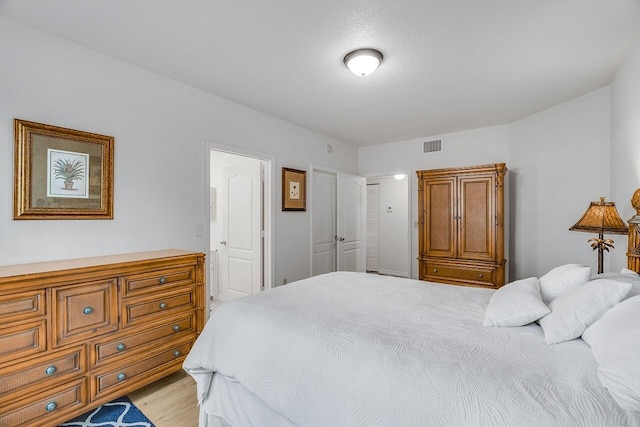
{"type": "Point", "coordinates": [121, 376]}
{"type": "Point", "coordinates": [121, 346]}
{"type": "Point", "coordinates": [163, 305]}
{"type": "Point", "coordinates": [50, 370]}
{"type": "Point", "coordinates": [88, 310]}
{"type": "Point", "coordinates": [176, 353]}
{"type": "Point", "coordinates": [481, 275]}
{"type": "Point", "coordinates": [51, 406]}
{"type": "Point", "coordinates": [435, 270]}
{"type": "Point", "coordinates": [163, 280]}
{"type": "Point", "coordinates": [176, 328]}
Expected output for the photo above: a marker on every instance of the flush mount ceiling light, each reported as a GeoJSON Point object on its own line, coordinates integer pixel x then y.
{"type": "Point", "coordinates": [363, 62]}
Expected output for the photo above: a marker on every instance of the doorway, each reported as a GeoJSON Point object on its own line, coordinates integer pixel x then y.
{"type": "Point", "coordinates": [239, 238]}
{"type": "Point", "coordinates": [388, 220]}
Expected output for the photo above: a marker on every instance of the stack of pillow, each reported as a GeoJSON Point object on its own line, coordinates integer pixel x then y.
{"type": "Point", "coordinates": [568, 303]}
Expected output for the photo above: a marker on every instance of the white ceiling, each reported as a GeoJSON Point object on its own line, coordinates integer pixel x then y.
{"type": "Point", "coordinates": [449, 65]}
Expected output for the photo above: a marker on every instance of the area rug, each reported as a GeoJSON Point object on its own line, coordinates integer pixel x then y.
{"type": "Point", "coordinates": [118, 413]}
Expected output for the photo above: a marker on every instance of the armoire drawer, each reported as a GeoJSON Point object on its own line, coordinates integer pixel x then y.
{"type": "Point", "coordinates": [84, 311]}
{"type": "Point", "coordinates": [23, 305]}
{"type": "Point", "coordinates": [44, 408]}
{"type": "Point", "coordinates": [145, 283]}
{"type": "Point", "coordinates": [44, 371]}
{"type": "Point", "coordinates": [19, 340]}
{"type": "Point", "coordinates": [475, 274]}
{"type": "Point", "coordinates": [140, 311]}
{"type": "Point", "coordinates": [136, 371]}
{"type": "Point", "coordinates": [132, 342]}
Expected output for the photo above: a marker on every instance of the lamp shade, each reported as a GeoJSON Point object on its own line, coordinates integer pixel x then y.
{"type": "Point", "coordinates": [601, 217]}
{"type": "Point", "coordinates": [363, 62]}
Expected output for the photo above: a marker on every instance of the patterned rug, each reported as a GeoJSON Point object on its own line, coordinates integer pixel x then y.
{"type": "Point", "coordinates": [118, 413]}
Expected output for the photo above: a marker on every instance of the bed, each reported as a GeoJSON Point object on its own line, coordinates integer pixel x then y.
{"type": "Point", "coordinates": [356, 349]}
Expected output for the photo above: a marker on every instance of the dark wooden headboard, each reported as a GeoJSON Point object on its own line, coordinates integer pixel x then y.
{"type": "Point", "coordinates": [633, 255]}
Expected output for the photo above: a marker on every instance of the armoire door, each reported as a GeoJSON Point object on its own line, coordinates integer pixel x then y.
{"type": "Point", "coordinates": [440, 218]}
{"type": "Point", "coordinates": [477, 222]}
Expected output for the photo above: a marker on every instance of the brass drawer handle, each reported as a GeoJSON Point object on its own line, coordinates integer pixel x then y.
{"type": "Point", "coordinates": [481, 275]}
{"type": "Point", "coordinates": [88, 310]}
{"type": "Point", "coordinates": [176, 353]}
{"type": "Point", "coordinates": [435, 270]}
{"type": "Point", "coordinates": [121, 376]}
{"type": "Point", "coordinates": [163, 305]}
{"type": "Point", "coordinates": [176, 328]}
{"type": "Point", "coordinates": [50, 370]}
{"type": "Point", "coordinates": [51, 406]}
{"type": "Point", "coordinates": [163, 280]}
{"type": "Point", "coordinates": [121, 346]}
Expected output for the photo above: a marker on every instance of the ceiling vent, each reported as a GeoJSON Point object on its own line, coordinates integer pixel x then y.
{"type": "Point", "coordinates": [432, 146]}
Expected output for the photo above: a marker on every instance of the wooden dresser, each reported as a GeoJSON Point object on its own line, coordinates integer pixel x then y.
{"type": "Point", "coordinates": [75, 334]}
{"type": "Point", "coordinates": [461, 225]}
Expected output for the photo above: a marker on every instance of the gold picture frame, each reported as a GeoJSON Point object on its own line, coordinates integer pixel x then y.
{"type": "Point", "coordinates": [294, 190]}
{"type": "Point", "coordinates": [61, 173]}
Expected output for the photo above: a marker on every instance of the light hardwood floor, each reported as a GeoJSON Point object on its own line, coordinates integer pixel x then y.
{"type": "Point", "coordinates": [169, 402]}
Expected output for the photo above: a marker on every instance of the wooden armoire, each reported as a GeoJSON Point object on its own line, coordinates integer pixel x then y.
{"type": "Point", "coordinates": [461, 225]}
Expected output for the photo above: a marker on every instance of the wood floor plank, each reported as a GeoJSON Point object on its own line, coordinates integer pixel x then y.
{"type": "Point", "coordinates": [169, 402]}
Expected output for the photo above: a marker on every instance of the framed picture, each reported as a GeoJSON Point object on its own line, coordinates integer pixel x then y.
{"type": "Point", "coordinates": [61, 173]}
{"type": "Point", "coordinates": [294, 190]}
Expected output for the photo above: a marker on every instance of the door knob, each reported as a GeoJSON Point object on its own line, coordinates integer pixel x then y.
{"type": "Point", "coordinates": [223, 242]}
{"type": "Point", "coordinates": [342, 239]}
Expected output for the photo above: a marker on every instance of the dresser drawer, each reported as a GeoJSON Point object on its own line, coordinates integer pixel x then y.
{"type": "Point", "coordinates": [137, 371]}
{"type": "Point", "coordinates": [44, 371]}
{"type": "Point", "coordinates": [472, 275]}
{"type": "Point", "coordinates": [23, 305]}
{"type": "Point", "coordinates": [148, 282]}
{"type": "Point", "coordinates": [84, 311]}
{"type": "Point", "coordinates": [133, 342]}
{"type": "Point", "coordinates": [140, 311]}
{"type": "Point", "coordinates": [19, 340]}
{"type": "Point", "coordinates": [57, 404]}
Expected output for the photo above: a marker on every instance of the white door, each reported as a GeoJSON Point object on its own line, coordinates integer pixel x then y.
{"type": "Point", "coordinates": [352, 213]}
{"type": "Point", "coordinates": [240, 253]}
{"type": "Point", "coordinates": [324, 222]}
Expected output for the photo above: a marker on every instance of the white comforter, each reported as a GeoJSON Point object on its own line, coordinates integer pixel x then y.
{"type": "Point", "coordinates": [354, 349]}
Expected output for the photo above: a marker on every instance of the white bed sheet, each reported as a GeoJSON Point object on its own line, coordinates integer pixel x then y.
{"type": "Point", "coordinates": [354, 349]}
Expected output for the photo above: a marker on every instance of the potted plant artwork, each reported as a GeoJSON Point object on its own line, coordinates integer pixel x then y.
{"type": "Point", "coordinates": [69, 171]}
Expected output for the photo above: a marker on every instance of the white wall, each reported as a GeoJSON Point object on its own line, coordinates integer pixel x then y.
{"type": "Point", "coordinates": [625, 144]}
{"type": "Point", "coordinates": [160, 128]}
{"type": "Point", "coordinates": [474, 147]}
{"type": "Point", "coordinates": [393, 214]}
{"type": "Point", "coordinates": [558, 164]}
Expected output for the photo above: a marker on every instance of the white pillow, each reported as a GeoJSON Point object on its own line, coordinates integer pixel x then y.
{"type": "Point", "coordinates": [562, 279]}
{"type": "Point", "coordinates": [615, 342]}
{"type": "Point", "coordinates": [627, 276]}
{"type": "Point", "coordinates": [572, 312]}
{"type": "Point", "coordinates": [515, 304]}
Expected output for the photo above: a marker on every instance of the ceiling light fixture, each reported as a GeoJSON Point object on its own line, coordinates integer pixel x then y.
{"type": "Point", "coordinates": [363, 62]}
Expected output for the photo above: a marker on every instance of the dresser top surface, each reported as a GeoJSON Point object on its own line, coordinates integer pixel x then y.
{"type": "Point", "coordinates": [79, 263]}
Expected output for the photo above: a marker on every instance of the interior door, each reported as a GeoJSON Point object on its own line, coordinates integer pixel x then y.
{"type": "Point", "coordinates": [351, 215]}
{"type": "Point", "coordinates": [240, 253]}
{"type": "Point", "coordinates": [324, 222]}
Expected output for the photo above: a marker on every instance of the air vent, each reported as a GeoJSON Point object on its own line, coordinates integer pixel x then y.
{"type": "Point", "coordinates": [431, 146]}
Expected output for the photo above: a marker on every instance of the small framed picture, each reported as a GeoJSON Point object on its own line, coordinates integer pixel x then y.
{"type": "Point", "coordinates": [294, 194]}
{"type": "Point", "coordinates": [61, 173]}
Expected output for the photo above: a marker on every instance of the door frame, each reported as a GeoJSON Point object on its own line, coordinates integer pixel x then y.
{"type": "Point", "coordinates": [411, 182]}
{"type": "Point", "coordinates": [268, 207]}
